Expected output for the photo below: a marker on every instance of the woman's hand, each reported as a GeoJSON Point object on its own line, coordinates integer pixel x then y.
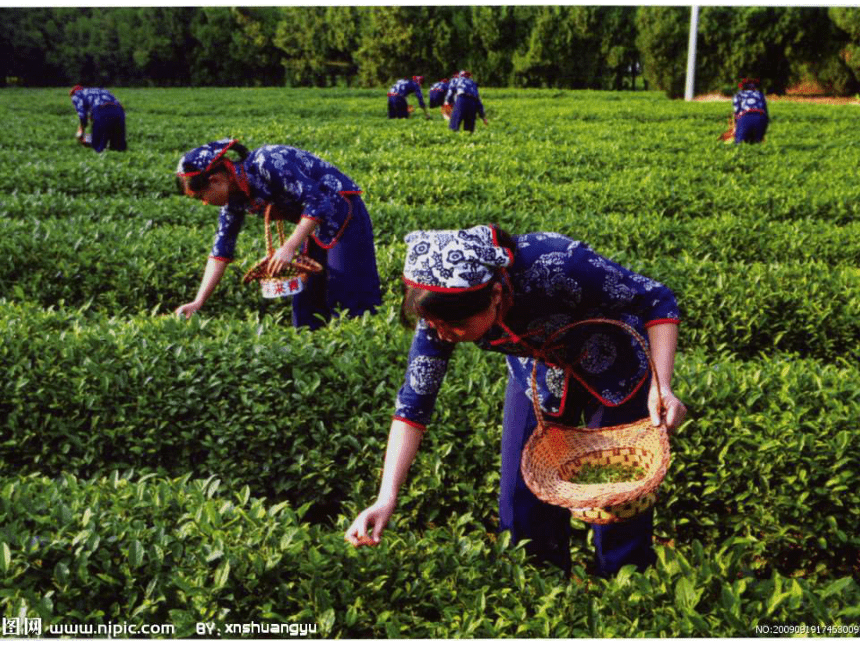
{"type": "Point", "coordinates": [403, 442]}
{"type": "Point", "coordinates": [290, 247]}
{"type": "Point", "coordinates": [188, 309]}
{"type": "Point", "coordinates": [673, 411]}
{"type": "Point", "coordinates": [374, 517]}
{"type": "Point", "coordinates": [282, 257]}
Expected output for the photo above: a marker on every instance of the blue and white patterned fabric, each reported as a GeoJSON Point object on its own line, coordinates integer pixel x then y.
{"type": "Point", "coordinates": [749, 100]}
{"type": "Point", "coordinates": [462, 85]}
{"type": "Point", "coordinates": [298, 183]}
{"type": "Point", "coordinates": [555, 281]}
{"type": "Point", "coordinates": [452, 90]}
{"type": "Point", "coordinates": [467, 103]}
{"type": "Point", "coordinates": [453, 260]}
{"type": "Point", "coordinates": [437, 93]}
{"type": "Point", "coordinates": [406, 86]}
{"type": "Point", "coordinates": [202, 157]}
{"type": "Point", "coordinates": [87, 99]}
{"type": "Point", "coordinates": [440, 86]}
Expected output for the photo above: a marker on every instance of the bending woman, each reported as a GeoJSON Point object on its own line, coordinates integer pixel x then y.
{"type": "Point", "coordinates": [749, 111]}
{"type": "Point", "coordinates": [508, 294]}
{"type": "Point", "coordinates": [332, 223]}
{"type": "Point", "coordinates": [103, 109]}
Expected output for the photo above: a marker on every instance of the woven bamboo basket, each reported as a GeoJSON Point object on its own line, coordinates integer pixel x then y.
{"type": "Point", "coordinates": [447, 109]}
{"type": "Point", "coordinates": [729, 135]}
{"type": "Point", "coordinates": [555, 453]}
{"type": "Point", "coordinates": [290, 280]}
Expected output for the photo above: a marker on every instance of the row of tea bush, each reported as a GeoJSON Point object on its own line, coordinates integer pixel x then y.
{"type": "Point", "coordinates": [179, 553]}
{"type": "Point", "coordinates": [128, 267]}
{"type": "Point", "coordinates": [245, 448]}
{"type": "Point", "coordinates": [302, 417]}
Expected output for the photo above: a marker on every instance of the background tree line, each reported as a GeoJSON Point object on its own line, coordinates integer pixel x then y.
{"type": "Point", "coordinates": [575, 47]}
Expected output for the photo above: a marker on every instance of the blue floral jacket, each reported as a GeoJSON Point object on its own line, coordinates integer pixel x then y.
{"type": "Point", "coordinates": [749, 100]}
{"type": "Point", "coordinates": [555, 281]}
{"type": "Point", "coordinates": [466, 86]}
{"type": "Point", "coordinates": [406, 86]}
{"type": "Point", "coordinates": [439, 87]}
{"type": "Point", "coordinates": [89, 98]}
{"type": "Point", "coordinates": [299, 183]}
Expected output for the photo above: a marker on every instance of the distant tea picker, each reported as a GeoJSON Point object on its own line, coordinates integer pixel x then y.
{"type": "Point", "coordinates": [398, 108]}
{"type": "Point", "coordinates": [332, 225]}
{"type": "Point", "coordinates": [749, 113]}
{"type": "Point", "coordinates": [106, 114]}
{"type": "Point", "coordinates": [465, 99]}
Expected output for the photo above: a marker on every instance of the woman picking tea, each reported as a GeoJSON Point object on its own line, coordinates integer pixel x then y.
{"type": "Point", "coordinates": [332, 223]}
{"type": "Point", "coordinates": [509, 294]}
{"type": "Point", "coordinates": [749, 111]}
{"type": "Point", "coordinates": [101, 108]}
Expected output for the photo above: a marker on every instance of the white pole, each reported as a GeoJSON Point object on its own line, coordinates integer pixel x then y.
{"type": "Point", "coordinates": [691, 53]}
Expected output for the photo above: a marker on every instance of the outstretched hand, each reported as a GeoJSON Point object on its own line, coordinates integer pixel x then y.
{"type": "Point", "coordinates": [374, 517]}
{"type": "Point", "coordinates": [187, 310]}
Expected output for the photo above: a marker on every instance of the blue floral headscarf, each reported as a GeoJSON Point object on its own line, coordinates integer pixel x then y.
{"type": "Point", "coordinates": [453, 260]}
{"type": "Point", "coordinates": [203, 158]}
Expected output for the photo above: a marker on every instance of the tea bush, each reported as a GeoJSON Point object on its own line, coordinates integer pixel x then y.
{"type": "Point", "coordinates": [297, 416]}
{"type": "Point", "coordinates": [118, 266]}
{"type": "Point", "coordinates": [180, 552]}
{"type": "Point", "coordinates": [155, 470]}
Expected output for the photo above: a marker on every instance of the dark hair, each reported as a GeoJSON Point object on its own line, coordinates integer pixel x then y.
{"type": "Point", "coordinates": [451, 307]}
{"type": "Point", "coordinates": [200, 181]}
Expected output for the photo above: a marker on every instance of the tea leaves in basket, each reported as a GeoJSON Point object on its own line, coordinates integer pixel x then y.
{"type": "Point", "coordinates": [607, 474]}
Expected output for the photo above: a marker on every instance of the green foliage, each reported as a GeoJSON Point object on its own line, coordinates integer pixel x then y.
{"type": "Point", "coordinates": [155, 551]}
{"type": "Point", "coordinates": [781, 46]}
{"type": "Point", "coordinates": [662, 37]}
{"type": "Point", "coordinates": [158, 470]}
{"type": "Point", "coordinates": [787, 44]}
{"type": "Point", "coordinates": [847, 19]}
{"type": "Point", "coordinates": [114, 406]}
{"type": "Point", "coordinates": [596, 47]}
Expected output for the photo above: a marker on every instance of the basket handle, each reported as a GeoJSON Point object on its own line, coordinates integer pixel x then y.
{"type": "Point", "coordinates": [587, 321]}
{"type": "Point", "coordinates": [270, 248]}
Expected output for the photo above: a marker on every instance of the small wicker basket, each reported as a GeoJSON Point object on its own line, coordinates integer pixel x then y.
{"type": "Point", "coordinates": [729, 135]}
{"type": "Point", "coordinates": [555, 453]}
{"type": "Point", "coordinates": [290, 280]}
{"type": "Point", "coordinates": [447, 109]}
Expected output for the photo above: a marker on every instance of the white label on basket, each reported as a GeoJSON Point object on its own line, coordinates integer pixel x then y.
{"type": "Point", "coordinates": [281, 288]}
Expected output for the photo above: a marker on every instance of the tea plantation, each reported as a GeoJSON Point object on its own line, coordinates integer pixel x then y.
{"type": "Point", "coordinates": [158, 471]}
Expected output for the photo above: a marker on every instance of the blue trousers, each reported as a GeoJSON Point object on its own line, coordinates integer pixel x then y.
{"type": "Point", "coordinates": [751, 127]}
{"type": "Point", "coordinates": [350, 279]}
{"type": "Point", "coordinates": [109, 128]}
{"type": "Point", "coordinates": [465, 111]}
{"type": "Point", "coordinates": [548, 526]}
{"type": "Point", "coordinates": [436, 98]}
{"type": "Point", "coordinates": [397, 107]}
